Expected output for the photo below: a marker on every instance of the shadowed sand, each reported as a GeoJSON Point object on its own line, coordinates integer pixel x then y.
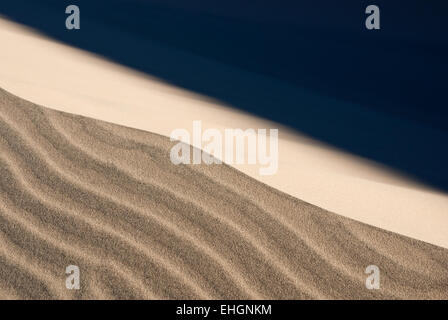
{"type": "Point", "coordinates": [106, 198]}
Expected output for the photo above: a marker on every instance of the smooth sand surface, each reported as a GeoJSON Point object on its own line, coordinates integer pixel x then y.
{"type": "Point", "coordinates": [108, 199]}
{"type": "Point", "coordinates": [57, 76]}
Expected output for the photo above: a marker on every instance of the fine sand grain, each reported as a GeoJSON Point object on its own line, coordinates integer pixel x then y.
{"type": "Point", "coordinates": [106, 198]}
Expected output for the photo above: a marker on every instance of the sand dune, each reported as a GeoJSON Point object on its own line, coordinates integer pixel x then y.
{"type": "Point", "coordinates": [107, 198]}
{"type": "Point", "coordinates": [71, 80]}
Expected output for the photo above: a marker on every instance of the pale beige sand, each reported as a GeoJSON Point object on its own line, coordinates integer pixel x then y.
{"type": "Point", "coordinates": [106, 198]}
{"type": "Point", "coordinates": [45, 72]}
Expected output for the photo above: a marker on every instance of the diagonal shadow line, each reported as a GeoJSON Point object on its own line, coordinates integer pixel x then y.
{"type": "Point", "coordinates": [310, 66]}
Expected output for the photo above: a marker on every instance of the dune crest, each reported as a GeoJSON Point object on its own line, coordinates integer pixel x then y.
{"type": "Point", "coordinates": [317, 173]}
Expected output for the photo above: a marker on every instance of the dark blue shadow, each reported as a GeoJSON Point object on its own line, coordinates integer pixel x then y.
{"type": "Point", "coordinates": [310, 65]}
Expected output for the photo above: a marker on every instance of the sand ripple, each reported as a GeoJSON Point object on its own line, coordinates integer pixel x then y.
{"type": "Point", "coordinates": [106, 198]}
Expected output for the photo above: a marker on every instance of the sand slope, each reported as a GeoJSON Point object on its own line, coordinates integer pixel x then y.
{"type": "Point", "coordinates": [67, 79]}
{"type": "Point", "coordinates": [106, 198]}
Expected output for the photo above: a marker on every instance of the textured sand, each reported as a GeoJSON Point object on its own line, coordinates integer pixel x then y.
{"type": "Point", "coordinates": [106, 198]}
{"type": "Point", "coordinates": [60, 77]}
